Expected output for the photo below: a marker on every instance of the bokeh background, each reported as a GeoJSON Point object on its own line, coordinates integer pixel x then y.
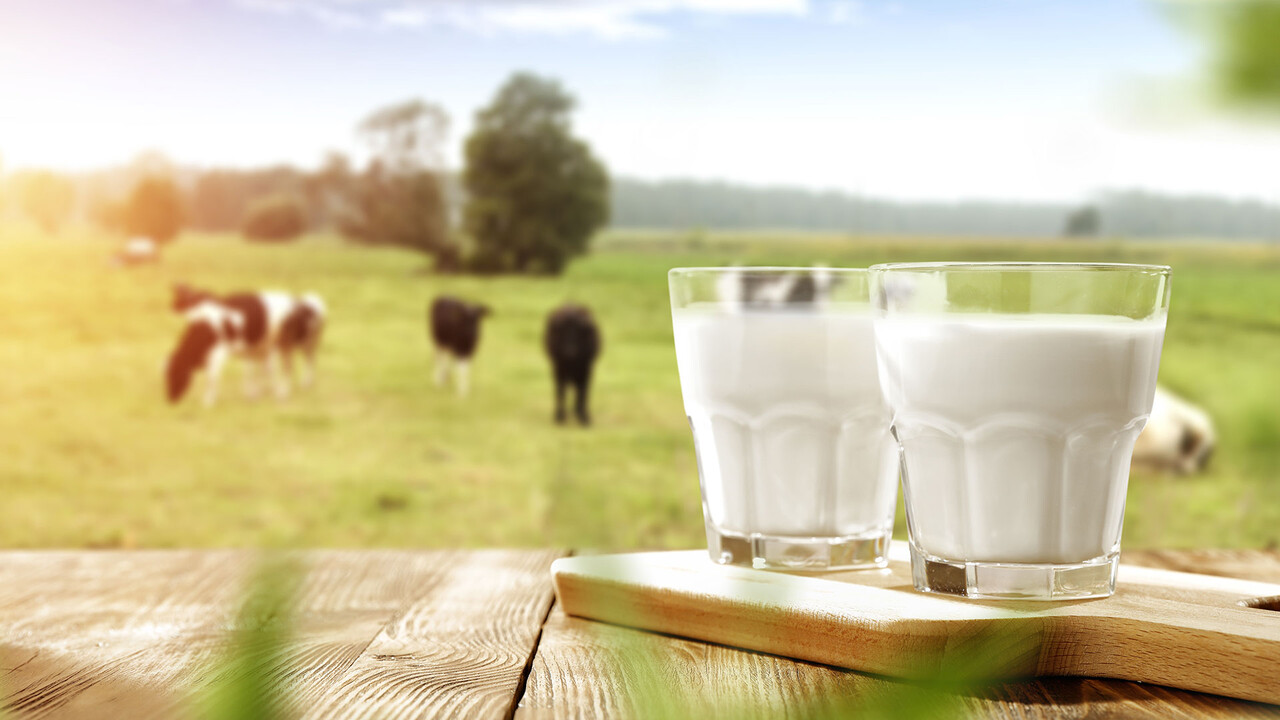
{"type": "Point", "coordinates": [524, 154]}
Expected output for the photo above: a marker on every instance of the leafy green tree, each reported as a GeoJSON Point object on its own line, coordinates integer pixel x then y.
{"type": "Point", "coordinates": [275, 219]}
{"type": "Point", "coordinates": [154, 210]}
{"type": "Point", "coordinates": [399, 199]}
{"type": "Point", "coordinates": [47, 198]}
{"type": "Point", "coordinates": [535, 194]}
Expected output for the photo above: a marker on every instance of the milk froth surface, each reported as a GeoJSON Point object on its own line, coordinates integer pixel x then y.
{"type": "Point", "coordinates": [788, 418]}
{"type": "Point", "coordinates": [1017, 430]}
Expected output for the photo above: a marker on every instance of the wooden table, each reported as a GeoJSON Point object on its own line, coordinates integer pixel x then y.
{"type": "Point", "coordinates": [473, 634]}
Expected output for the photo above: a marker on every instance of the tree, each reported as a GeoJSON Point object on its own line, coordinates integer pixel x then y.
{"type": "Point", "coordinates": [216, 201]}
{"type": "Point", "coordinates": [154, 210]}
{"type": "Point", "coordinates": [398, 199]}
{"type": "Point", "coordinates": [535, 194]}
{"type": "Point", "coordinates": [275, 219]}
{"type": "Point", "coordinates": [1083, 222]}
{"type": "Point", "coordinates": [404, 210]}
{"type": "Point", "coordinates": [47, 199]}
{"type": "Point", "coordinates": [220, 199]}
{"type": "Point", "coordinates": [109, 215]}
{"type": "Point", "coordinates": [330, 190]}
{"type": "Point", "coordinates": [407, 137]}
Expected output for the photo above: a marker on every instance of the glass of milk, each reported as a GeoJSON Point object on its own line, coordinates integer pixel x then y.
{"type": "Point", "coordinates": [1016, 393]}
{"type": "Point", "coordinates": [778, 372]}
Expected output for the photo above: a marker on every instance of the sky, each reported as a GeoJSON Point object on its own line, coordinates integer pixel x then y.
{"type": "Point", "coordinates": [1032, 100]}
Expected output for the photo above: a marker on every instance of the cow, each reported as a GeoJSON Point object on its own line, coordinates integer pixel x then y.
{"type": "Point", "coordinates": [572, 341]}
{"type": "Point", "coordinates": [137, 251]}
{"type": "Point", "coordinates": [265, 328]}
{"type": "Point", "coordinates": [455, 331]}
{"type": "Point", "coordinates": [301, 333]}
{"type": "Point", "coordinates": [1179, 437]}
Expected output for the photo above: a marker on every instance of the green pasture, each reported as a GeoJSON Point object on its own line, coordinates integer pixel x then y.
{"type": "Point", "coordinates": [91, 455]}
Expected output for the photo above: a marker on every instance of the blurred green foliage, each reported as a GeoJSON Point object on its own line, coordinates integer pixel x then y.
{"type": "Point", "coordinates": [1246, 51]}
{"type": "Point", "coordinates": [247, 681]}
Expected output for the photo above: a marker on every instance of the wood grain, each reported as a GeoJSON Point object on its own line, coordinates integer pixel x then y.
{"type": "Point", "coordinates": [459, 650]}
{"type": "Point", "coordinates": [585, 669]}
{"type": "Point", "coordinates": [140, 634]}
{"type": "Point", "coordinates": [1259, 565]}
{"type": "Point", "coordinates": [449, 634]}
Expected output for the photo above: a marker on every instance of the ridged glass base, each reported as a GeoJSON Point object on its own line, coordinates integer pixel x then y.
{"type": "Point", "coordinates": [1023, 581]}
{"type": "Point", "coordinates": [777, 552]}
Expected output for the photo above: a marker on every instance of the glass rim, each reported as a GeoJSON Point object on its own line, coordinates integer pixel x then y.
{"type": "Point", "coordinates": [1022, 266]}
{"type": "Point", "coordinates": [720, 269]}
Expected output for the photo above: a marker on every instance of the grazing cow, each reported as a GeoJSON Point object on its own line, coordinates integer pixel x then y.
{"type": "Point", "coordinates": [764, 288]}
{"type": "Point", "coordinates": [265, 328]}
{"type": "Point", "coordinates": [455, 330]}
{"type": "Point", "coordinates": [572, 341]}
{"type": "Point", "coordinates": [1178, 438]}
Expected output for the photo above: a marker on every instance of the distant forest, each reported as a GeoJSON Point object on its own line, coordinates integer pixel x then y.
{"type": "Point", "coordinates": [687, 204]}
{"type": "Point", "coordinates": [218, 200]}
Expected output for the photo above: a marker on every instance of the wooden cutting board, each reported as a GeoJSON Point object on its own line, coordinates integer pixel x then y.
{"type": "Point", "coordinates": [1196, 632]}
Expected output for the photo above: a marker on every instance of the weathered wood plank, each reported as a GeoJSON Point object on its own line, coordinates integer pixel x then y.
{"type": "Point", "coordinates": [411, 634]}
{"type": "Point", "coordinates": [93, 634]}
{"type": "Point", "coordinates": [586, 669]}
{"type": "Point", "coordinates": [138, 634]}
{"type": "Point", "coordinates": [460, 650]}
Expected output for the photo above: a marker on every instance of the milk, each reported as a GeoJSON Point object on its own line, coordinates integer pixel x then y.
{"type": "Point", "coordinates": [1017, 430]}
{"type": "Point", "coordinates": [788, 419]}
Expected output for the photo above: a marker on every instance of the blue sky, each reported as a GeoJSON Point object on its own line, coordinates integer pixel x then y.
{"type": "Point", "coordinates": [1022, 99]}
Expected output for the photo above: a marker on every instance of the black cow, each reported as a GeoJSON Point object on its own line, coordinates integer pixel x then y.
{"type": "Point", "coordinates": [573, 343]}
{"type": "Point", "coordinates": [455, 330]}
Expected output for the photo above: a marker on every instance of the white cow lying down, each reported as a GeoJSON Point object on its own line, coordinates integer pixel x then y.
{"type": "Point", "coordinates": [1178, 437]}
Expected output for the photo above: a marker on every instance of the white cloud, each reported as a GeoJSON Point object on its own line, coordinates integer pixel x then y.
{"type": "Point", "coordinates": [844, 12]}
{"type": "Point", "coordinates": [606, 19]}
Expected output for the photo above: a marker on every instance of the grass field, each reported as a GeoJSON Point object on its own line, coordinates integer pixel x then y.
{"type": "Point", "coordinates": [90, 454]}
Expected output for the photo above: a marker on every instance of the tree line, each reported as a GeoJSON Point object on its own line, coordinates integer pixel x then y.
{"type": "Point", "coordinates": [530, 196]}
{"type": "Point", "coordinates": [682, 204]}
{"type": "Point", "coordinates": [278, 203]}
{"type": "Point", "coordinates": [528, 199]}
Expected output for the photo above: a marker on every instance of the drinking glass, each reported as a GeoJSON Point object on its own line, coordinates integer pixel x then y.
{"type": "Point", "coordinates": [778, 372]}
{"type": "Point", "coordinates": [1016, 392]}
